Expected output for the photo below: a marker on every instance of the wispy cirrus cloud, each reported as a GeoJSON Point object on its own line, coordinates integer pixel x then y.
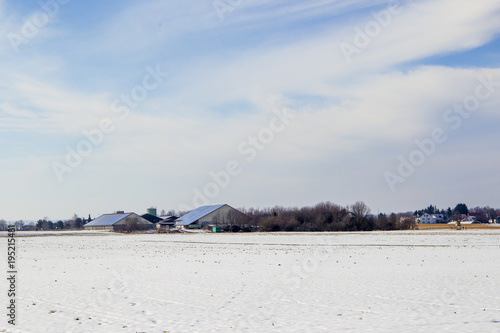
{"type": "Point", "coordinates": [225, 79]}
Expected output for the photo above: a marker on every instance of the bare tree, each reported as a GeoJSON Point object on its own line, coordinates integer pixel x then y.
{"type": "Point", "coordinates": [360, 219]}
{"type": "Point", "coordinates": [218, 218]}
{"type": "Point", "coordinates": [3, 225]}
{"type": "Point", "coordinates": [131, 224]}
{"type": "Point", "coordinates": [407, 223]}
{"type": "Point", "coordinates": [235, 217]}
{"type": "Point", "coordinates": [19, 225]}
{"type": "Point", "coordinates": [172, 212]}
{"type": "Point", "coordinates": [360, 209]}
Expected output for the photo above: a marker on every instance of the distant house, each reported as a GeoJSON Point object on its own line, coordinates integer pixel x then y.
{"type": "Point", "coordinates": [493, 219]}
{"type": "Point", "coordinates": [118, 222]}
{"type": "Point", "coordinates": [432, 218]}
{"type": "Point", "coordinates": [470, 220]}
{"type": "Point", "coordinates": [209, 215]}
{"type": "Point", "coordinates": [480, 217]}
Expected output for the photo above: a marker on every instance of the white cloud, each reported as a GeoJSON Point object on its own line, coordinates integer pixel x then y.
{"type": "Point", "coordinates": [353, 120]}
{"type": "Point", "coordinates": [48, 108]}
{"type": "Point", "coordinates": [429, 28]}
{"type": "Point", "coordinates": [316, 65]}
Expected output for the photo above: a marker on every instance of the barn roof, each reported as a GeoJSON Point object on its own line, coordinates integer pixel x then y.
{"type": "Point", "coordinates": [169, 219]}
{"type": "Point", "coordinates": [108, 219]}
{"type": "Point", "coordinates": [151, 218]}
{"type": "Point", "coordinates": [197, 214]}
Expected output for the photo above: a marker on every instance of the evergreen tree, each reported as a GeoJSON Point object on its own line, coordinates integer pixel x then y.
{"type": "Point", "coordinates": [461, 208]}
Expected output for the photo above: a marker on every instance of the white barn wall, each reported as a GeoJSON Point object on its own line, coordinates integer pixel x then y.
{"type": "Point", "coordinates": [140, 220]}
{"type": "Point", "coordinates": [222, 211]}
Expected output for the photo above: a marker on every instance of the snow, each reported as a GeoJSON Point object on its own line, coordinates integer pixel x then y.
{"type": "Point", "coordinates": [412, 281]}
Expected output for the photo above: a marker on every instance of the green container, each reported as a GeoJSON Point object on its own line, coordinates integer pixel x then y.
{"type": "Point", "coordinates": [216, 229]}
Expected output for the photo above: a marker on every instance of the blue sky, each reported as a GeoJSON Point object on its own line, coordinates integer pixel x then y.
{"type": "Point", "coordinates": [330, 125]}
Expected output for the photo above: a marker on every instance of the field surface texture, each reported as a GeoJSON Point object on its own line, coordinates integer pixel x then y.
{"type": "Point", "coordinates": [418, 281]}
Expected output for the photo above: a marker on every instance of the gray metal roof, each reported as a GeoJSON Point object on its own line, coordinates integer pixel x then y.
{"type": "Point", "coordinates": [197, 214]}
{"type": "Point", "coordinates": [108, 219]}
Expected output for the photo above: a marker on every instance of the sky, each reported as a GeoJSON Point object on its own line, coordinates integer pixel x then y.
{"type": "Point", "coordinates": [124, 105]}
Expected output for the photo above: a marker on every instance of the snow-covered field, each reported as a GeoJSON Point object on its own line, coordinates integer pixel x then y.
{"type": "Point", "coordinates": [418, 281]}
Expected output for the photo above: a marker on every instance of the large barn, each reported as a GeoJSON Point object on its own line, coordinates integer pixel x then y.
{"type": "Point", "coordinates": [118, 222]}
{"type": "Point", "coordinates": [209, 215]}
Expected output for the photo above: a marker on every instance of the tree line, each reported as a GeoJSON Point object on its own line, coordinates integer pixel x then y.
{"type": "Point", "coordinates": [325, 216]}
{"type": "Point", "coordinates": [46, 224]}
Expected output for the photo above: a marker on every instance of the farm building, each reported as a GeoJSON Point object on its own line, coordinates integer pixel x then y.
{"type": "Point", "coordinates": [431, 218]}
{"type": "Point", "coordinates": [118, 222]}
{"type": "Point", "coordinates": [470, 220]}
{"type": "Point", "coordinates": [167, 222]}
{"type": "Point", "coordinates": [152, 218]}
{"type": "Point", "coordinates": [209, 215]}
